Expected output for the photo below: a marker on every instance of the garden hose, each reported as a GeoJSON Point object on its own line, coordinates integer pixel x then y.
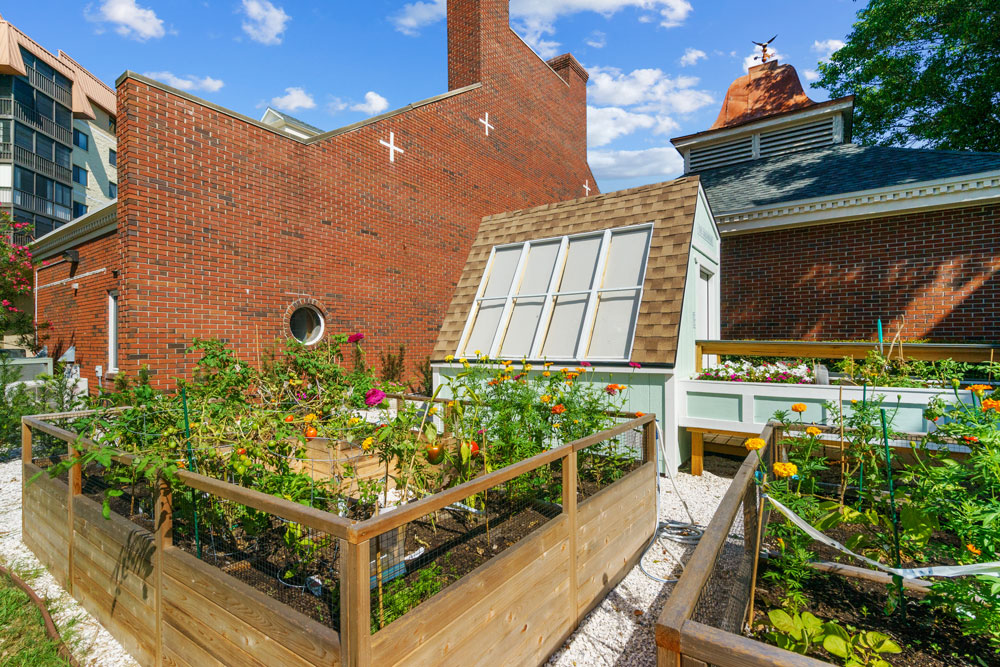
{"type": "Point", "coordinates": [673, 531]}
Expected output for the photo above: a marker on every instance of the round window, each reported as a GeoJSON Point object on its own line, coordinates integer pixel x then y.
{"type": "Point", "coordinates": [306, 324]}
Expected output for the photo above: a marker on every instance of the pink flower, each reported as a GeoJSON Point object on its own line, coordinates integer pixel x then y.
{"type": "Point", "coordinates": [374, 396]}
{"type": "Point", "coordinates": [480, 431]}
{"type": "Point", "coordinates": [356, 338]}
{"type": "Point", "coordinates": [635, 364]}
{"type": "Point", "coordinates": [585, 364]}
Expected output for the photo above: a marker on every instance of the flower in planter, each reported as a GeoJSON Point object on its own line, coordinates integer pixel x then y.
{"type": "Point", "coordinates": [974, 550]}
{"type": "Point", "coordinates": [785, 469]}
{"type": "Point", "coordinates": [990, 404]}
{"type": "Point", "coordinates": [640, 414]}
{"type": "Point", "coordinates": [558, 409]}
{"type": "Point", "coordinates": [309, 418]}
{"type": "Point", "coordinates": [373, 397]}
{"type": "Point", "coordinates": [813, 431]}
{"type": "Point", "coordinates": [799, 407]}
{"type": "Point", "coordinates": [367, 443]}
{"type": "Point", "coordinates": [635, 364]}
{"type": "Point", "coordinates": [546, 374]}
{"type": "Point", "coordinates": [545, 399]}
{"type": "Point", "coordinates": [450, 358]}
{"type": "Point", "coordinates": [355, 338]}
{"type": "Point", "coordinates": [979, 389]}
{"type": "Point", "coordinates": [754, 444]}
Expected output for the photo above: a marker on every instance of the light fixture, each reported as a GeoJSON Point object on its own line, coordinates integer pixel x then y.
{"type": "Point", "coordinates": [72, 256]}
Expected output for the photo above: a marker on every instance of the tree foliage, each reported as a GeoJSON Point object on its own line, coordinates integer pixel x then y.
{"type": "Point", "coordinates": [15, 280]}
{"type": "Point", "coordinates": [923, 72]}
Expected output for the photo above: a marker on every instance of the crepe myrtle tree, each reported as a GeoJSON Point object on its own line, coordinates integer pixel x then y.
{"type": "Point", "coordinates": [16, 266]}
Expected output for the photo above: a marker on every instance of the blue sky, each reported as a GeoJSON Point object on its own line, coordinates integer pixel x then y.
{"type": "Point", "coordinates": [659, 68]}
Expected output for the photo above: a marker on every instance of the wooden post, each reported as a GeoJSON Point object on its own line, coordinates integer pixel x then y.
{"type": "Point", "coordinates": [697, 453]}
{"type": "Point", "coordinates": [355, 604]}
{"type": "Point", "coordinates": [75, 488]}
{"type": "Point", "coordinates": [569, 479]}
{"type": "Point", "coordinates": [25, 442]}
{"type": "Point", "coordinates": [649, 441]}
{"type": "Point", "coordinates": [698, 355]}
{"type": "Point", "coordinates": [163, 517]}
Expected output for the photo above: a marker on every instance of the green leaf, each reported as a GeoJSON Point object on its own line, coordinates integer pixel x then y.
{"type": "Point", "coordinates": [106, 510]}
{"type": "Point", "coordinates": [114, 493]}
{"type": "Point", "coordinates": [881, 643]}
{"type": "Point", "coordinates": [781, 620]}
{"type": "Point", "coordinates": [811, 623]}
{"type": "Point", "coordinates": [836, 645]}
{"type": "Point", "coordinates": [918, 525]}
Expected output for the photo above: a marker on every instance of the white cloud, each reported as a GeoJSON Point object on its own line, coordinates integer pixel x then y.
{"type": "Point", "coordinates": [827, 47]}
{"type": "Point", "coordinates": [130, 19]}
{"type": "Point", "coordinates": [754, 58]}
{"type": "Point", "coordinates": [597, 39]}
{"type": "Point", "coordinates": [293, 100]}
{"type": "Point", "coordinates": [187, 82]}
{"type": "Point", "coordinates": [336, 105]}
{"type": "Point", "coordinates": [373, 104]}
{"type": "Point", "coordinates": [648, 90]}
{"type": "Point", "coordinates": [692, 56]}
{"type": "Point", "coordinates": [415, 15]}
{"type": "Point", "coordinates": [650, 162]}
{"type": "Point", "coordinates": [605, 124]}
{"type": "Point", "coordinates": [811, 75]}
{"type": "Point", "coordinates": [535, 20]}
{"type": "Point", "coordinates": [265, 23]}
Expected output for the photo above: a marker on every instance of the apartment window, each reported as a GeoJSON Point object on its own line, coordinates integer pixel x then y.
{"type": "Point", "coordinates": [113, 190]}
{"type": "Point", "coordinates": [63, 194]}
{"type": "Point", "coordinates": [44, 187]}
{"type": "Point", "coordinates": [5, 131]}
{"type": "Point", "coordinates": [24, 137]}
{"type": "Point", "coordinates": [79, 175]}
{"type": "Point", "coordinates": [64, 156]}
{"type": "Point", "coordinates": [113, 157]}
{"type": "Point", "coordinates": [81, 140]}
{"type": "Point", "coordinates": [43, 226]}
{"type": "Point", "coordinates": [112, 125]}
{"type": "Point", "coordinates": [44, 146]}
{"type": "Point", "coordinates": [79, 209]}
{"type": "Point", "coordinates": [64, 118]}
{"type": "Point", "coordinates": [24, 179]}
{"type": "Point", "coordinates": [24, 94]}
{"type": "Point", "coordinates": [573, 297]}
{"type": "Point", "coordinates": [44, 105]}
{"type": "Point", "coordinates": [113, 332]}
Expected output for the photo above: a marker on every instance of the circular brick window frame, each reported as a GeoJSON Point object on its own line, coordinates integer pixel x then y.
{"type": "Point", "coordinates": [298, 304]}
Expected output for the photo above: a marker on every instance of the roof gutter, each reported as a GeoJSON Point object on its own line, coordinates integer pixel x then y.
{"type": "Point", "coordinates": [86, 227]}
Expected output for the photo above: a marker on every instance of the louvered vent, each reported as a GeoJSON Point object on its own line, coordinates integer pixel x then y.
{"type": "Point", "coordinates": [718, 155]}
{"type": "Point", "coordinates": [798, 138]}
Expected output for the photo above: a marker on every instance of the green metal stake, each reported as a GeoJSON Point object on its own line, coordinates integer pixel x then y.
{"type": "Point", "coordinates": [861, 468]}
{"type": "Point", "coordinates": [895, 517]}
{"type": "Point", "coordinates": [190, 452]}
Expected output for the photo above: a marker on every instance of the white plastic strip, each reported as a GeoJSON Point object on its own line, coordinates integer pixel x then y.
{"type": "Point", "coordinates": [906, 573]}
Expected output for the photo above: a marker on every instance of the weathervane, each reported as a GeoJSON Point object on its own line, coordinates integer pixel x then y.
{"type": "Point", "coordinates": [763, 49]}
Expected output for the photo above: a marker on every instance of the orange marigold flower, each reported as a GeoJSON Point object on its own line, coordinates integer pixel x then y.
{"type": "Point", "coordinates": [558, 409]}
{"type": "Point", "coordinates": [754, 444]}
{"type": "Point", "coordinates": [812, 430]}
{"type": "Point", "coordinates": [640, 414]}
{"type": "Point", "coordinates": [991, 404]}
{"type": "Point", "coordinates": [545, 399]}
{"type": "Point", "coordinates": [973, 550]}
{"type": "Point", "coordinates": [979, 388]}
{"type": "Point", "coordinates": [546, 374]}
{"type": "Point", "coordinates": [799, 407]}
{"type": "Point", "coordinates": [785, 469]}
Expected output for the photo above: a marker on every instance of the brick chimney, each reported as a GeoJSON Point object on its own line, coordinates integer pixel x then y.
{"type": "Point", "coordinates": [473, 27]}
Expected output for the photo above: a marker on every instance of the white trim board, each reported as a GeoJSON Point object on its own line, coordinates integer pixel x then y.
{"type": "Point", "coordinates": [953, 192]}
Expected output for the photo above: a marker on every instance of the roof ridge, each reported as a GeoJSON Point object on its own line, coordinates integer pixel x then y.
{"type": "Point", "coordinates": [94, 77]}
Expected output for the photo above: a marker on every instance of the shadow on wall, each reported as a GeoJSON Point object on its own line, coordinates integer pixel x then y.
{"type": "Point", "coordinates": [933, 275]}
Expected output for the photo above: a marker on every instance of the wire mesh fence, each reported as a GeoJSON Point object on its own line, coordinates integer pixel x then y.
{"type": "Point", "coordinates": [122, 490]}
{"type": "Point", "coordinates": [285, 560]}
{"type": "Point", "coordinates": [604, 463]}
{"type": "Point", "coordinates": [412, 563]}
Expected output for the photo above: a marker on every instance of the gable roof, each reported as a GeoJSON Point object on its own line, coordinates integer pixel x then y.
{"type": "Point", "coordinates": [669, 206]}
{"type": "Point", "coordinates": [831, 171]}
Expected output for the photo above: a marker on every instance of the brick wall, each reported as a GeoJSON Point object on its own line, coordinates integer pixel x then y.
{"type": "Point", "coordinates": [223, 224]}
{"type": "Point", "coordinates": [936, 274]}
{"type": "Point", "coordinates": [79, 317]}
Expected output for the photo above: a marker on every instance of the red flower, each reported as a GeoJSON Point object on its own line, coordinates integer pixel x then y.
{"type": "Point", "coordinates": [558, 409]}
{"type": "Point", "coordinates": [970, 439]}
{"type": "Point", "coordinates": [356, 338]}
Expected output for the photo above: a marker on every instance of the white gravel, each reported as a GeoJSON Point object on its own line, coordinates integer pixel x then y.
{"type": "Point", "coordinates": [619, 631]}
{"type": "Point", "coordinates": [91, 644]}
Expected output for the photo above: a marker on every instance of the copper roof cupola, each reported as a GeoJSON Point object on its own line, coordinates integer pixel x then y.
{"type": "Point", "coordinates": [765, 113]}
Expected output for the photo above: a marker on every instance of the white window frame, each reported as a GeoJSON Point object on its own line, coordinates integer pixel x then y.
{"type": "Point", "coordinates": [113, 331]}
{"type": "Point", "coordinates": [549, 296]}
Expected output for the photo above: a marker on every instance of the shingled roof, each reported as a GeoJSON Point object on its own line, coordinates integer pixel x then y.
{"type": "Point", "coordinates": [669, 206]}
{"type": "Point", "coordinates": [833, 170]}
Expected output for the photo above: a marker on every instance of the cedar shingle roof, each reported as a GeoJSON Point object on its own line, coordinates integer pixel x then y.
{"type": "Point", "coordinates": [669, 206]}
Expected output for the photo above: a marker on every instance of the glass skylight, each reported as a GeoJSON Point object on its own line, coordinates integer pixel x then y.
{"type": "Point", "coordinates": [573, 297]}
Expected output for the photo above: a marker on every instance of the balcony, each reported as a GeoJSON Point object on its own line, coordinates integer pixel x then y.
{"type": "Point", "coordinates": [38, 164]}
{"type": "Point", "coordinates": [6, 107]}
{"type": "Point", "coordinates": [31, 117]}
{"type": "Point", "coordinates": [49, 87]}
{"type": "Point", "coordinates": [5, 152]}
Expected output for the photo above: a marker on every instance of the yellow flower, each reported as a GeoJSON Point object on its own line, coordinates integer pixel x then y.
{"type": "Point", "coordinates": [812, 430]}
{"type": "Point", "coordinates": [310, 418]}
{"type": "Point", "coordinates": [548, 363]}
{"type": "Point", "coordinates": [556, 425]}
{"type": "Point", "coordinates": [368, 442]}
{"type": "Point", "coordinates": [432, 411]}
{"type": "Point", "coordinates": [785, 469]}
{"type": "Point", "coordinates": [545, 399]}
{"type": "Point", "coordinates": [854, 401]}
{"type": "Point", "coordinates": [781, 543]}
{"type": "Point", "coordinates": [450, 357]}
{"type": "Point", "coordinates": [466, 364]}
{"type": "Point", "coordinates": [753, 444]}
{"type": "Point", "coordinates": [569, 382]}
{"type": "Point", "coordinates": [799, 407]}
{"type": "Point", "coordinates": [451, 404]}
{"type": "Point", "coordinates": [462, 360]}
{"type": "Point", "coordinates": [478, 352]}
{"type": "Point", "coordinates": [353, 421]}
{"type": "Point", "coordinates": [973, 550]}
{"type": "Point", "coordinates": [546, 374]}
{"type": "Point", "coordinates": [527, 367]}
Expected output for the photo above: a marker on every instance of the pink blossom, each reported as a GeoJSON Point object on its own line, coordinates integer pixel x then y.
{"type": "Point", "coordinates": [635, 364]}
{"type": "Point", "coordinates": [374, 397]}
{"type": "Point", "coordinates": [356, 338]}
{"type": "Point", "coordinates": [585, 364]}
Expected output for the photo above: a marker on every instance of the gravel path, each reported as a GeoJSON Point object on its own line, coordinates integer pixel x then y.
{"type": "Point", "coordinates": [90, 642]}
{"type": "Point", "coordinates": [619, 631]}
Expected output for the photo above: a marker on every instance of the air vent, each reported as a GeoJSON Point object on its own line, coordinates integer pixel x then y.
{"type": "Point", "coordinates": [719, 155]}
{"type": "Point", "coordinates": [798, 138]}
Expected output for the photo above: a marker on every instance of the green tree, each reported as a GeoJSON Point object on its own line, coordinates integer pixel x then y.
{"type": "Point", "coordinates": [923, 72]}
{"type": "Point", "coordinates": [16, 272]}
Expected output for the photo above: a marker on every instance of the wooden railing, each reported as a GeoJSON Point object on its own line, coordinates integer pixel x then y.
{"type": "Point", "coordinates": [356, 537]}
{"type": "Point", "coordinates": [822, 350]}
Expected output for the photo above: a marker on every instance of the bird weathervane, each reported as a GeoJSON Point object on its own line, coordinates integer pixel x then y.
{"type": "Point", "coordinates": [763, 50]}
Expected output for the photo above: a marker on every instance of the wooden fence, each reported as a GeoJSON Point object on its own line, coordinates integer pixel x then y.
{"type": "Point", "coordinates": [822, 350]}
{"type": "Point", "coordinates": [167, 607]}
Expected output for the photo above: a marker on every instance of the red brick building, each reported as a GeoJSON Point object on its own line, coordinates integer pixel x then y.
{"type": "Point", "coordinates": [226, 227]}
{"type": "Point", "coordinates": [822, 237]}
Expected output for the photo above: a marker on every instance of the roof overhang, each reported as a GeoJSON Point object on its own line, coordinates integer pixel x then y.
{"type": "Point", "coordinates": [828, 108]}
{"type": "Point", "coordinates": [952, 192]}
{"type": "Point", "coordinates": [86, 227]}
